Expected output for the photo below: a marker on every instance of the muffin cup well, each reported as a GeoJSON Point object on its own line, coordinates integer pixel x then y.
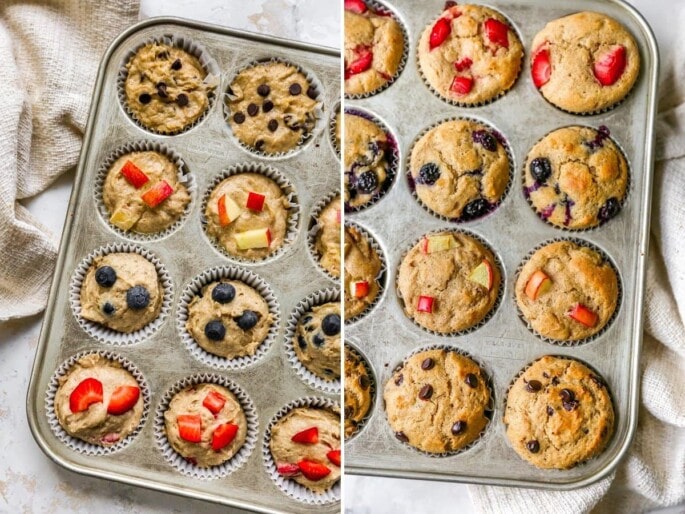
{"type": "Point", "coordinates": [372, 388]}
{"type": "Point", "coordinates": [228, 273]}
{"type": "Point", "coordinates": [290, 487]}
{"type": "Point", "coordinates": [102, 333]}
{"type": "Point", "coordinates": [313, 230]}
{"type": "Point", "coordinates": [178, 462]}
{"type": "Point", "coordinates": [332, 122]}
{"type": "Point", "coordinates": [304, 306]}
{"type": "Point", "coordinates": [79, 445]}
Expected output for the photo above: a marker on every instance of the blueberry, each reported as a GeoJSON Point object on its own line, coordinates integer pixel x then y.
{"type": "Point", "coordinates": [223, 293]}
{"type": "Point", "coordinates": [367, 182]}
{"type": "Point", "coordinates": [429, 174]}
{"type": "Point", "coordinates": [247, 320]}
{"type": "Point", "coordinates": [609, 209]}
{"type": "Point", "coordinates": [105, 276]}
{"type": "Point", "coordinates": [137, 297]}
{"type": "Point", "coordinates": [318, 340]}
{"type": "Point", "coordinates": [108, 308]}
{"type": "Point", "coordinates": [475, 209]}
{"type": "Point", "coordinates": [485, 139]}
{"type": "Point", "coordinates": [540, 168]}
{"type": "Point", "coordinates": [331, 324]}
{"type": "Point", "coordinates": [301, 342]}
{"type": "Point", "coordinates": [215, 330]}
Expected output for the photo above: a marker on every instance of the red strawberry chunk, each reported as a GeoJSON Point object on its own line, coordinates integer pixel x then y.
{"type": "Point", "coordinates": [541, 68]}
{"type": "Point", "coordinates": [463, 64]}
{"type": "Point", "coordinates": [462, 85]}
{"type": "Point", "coordinates": [134, 175]}
{"type": "Point", "coordinates": [361, 63]}
{"type": "Point", "coordinates": [110, 438]}
{"type": "Point", "coordinates": [609, 67]}
{"type": "Point", "coordinates": [334, 457]}
{"type": "Point", "coordinates": [190, 427]}
{"type": "Point", "coordinates": [308, 436]}
{"type": "Point", "coordinates": [313, 470]}
{"type": "Point", "coordinates": [441, 30]}
{"type": "Point", "coordinates": [223, 436]}
{"type": "Point", "coordinates": [157, 193]}
{"type": "Point", "coordinates": [88, 392]}
{"type": "Point", "coordinates": [123, 399]}
{"type": "Point", "coordinates": [497, 32]}
{"type": "Point", "coordinates": [355, 6]}
{"type": "Point", "coordinates": [214, 402]}
{"type": "Point", "coordinates": [288, 470]}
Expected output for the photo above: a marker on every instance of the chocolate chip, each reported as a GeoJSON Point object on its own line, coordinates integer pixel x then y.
{"type": "Point", "coordinates": [545, 374]}
{"type": "Point", "coordinates": [348, 413]}
{"type": "Point", "coordinates": [364, 382]}
{"type": "Point", "coordinates": [471, 380]}
{"type": "Point", "coordinates": [427, 364]}
{"type": "Point", "coordinates": [312, 92]}
{"type": "Point", "coordinates": [533, 446]}
{"type": "Point", "coordinates": [459, 427]}
{"type": "Point", "coordinates": [533, 386]}
{"type": "Point", "coordinates": [258, 144]}
{"type": "Point", "coordinates": [176, 65]}
{"type": "Point", "coordinates": [399, 379]}
{"type": "Point", "coordinates": [567, 395]}
{"type": "Point", "coordinates": [598, 381]}
{"type": "Point", "coordinates": [161, 90]}
{"type": "Point", "coordinates": [239, 118]}
{"type": "Point", "coordinates": [144, 98]}
{"type": "Point", "coordinates": [426, 392]}
{"type": "Point", "coordinates": [295, 89]}
{"type": "Point", "coordinates": [163, 55]}
{"type": "Point", "coordinates": [550, 411]}
{"type": "Point", "coordinates": [263, 90]}
{"type": "Point", "coordinates": [555, 380]}
{"type": "Point", "coordinates": [570, 406]}
{"type": "Point", "coordinates": [273, 125]}
{"type": "Point", "coordinates": [182, 100]}
{"type": "Point", "coordinates": [402, 437]}
{"type": "Point", "coordinates": [267, 106]}
{"type": "Point", "coordinates": [252, 109]}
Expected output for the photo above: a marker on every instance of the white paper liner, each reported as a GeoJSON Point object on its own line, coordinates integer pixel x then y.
{"type": "Point", "coordinates": [79, 445]}
{"type": "Point", "coordinates": [193, 48]}
{"type": "Point", "coordinates": [107, 335]}
{"type": "Point", "coordinates": [313, 230]}
{"type": "Point", "coordinates": [372, 388]}
{"type": "Point", "coordinates": [332, 121]}
{"type": "Point", "coordinates": [304, 306]}
{"type": "Point", "coordinates": [177, 461]}
{"type": "Point", "coordinates": [227, 273]}
{"type": "Point", "coordinates": [184, 177]}
{"type": "Point", "coordinates": [290, 487]}
{"type": "Point", "coordinates": [293, 212]}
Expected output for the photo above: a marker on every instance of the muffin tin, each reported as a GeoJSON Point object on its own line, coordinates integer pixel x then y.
{"type": "Point", "coordinates": [504, 344]}
{"type": "Point", "coordinates": [163, 358]}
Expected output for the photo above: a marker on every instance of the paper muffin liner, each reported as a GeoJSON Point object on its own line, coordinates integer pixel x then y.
{"type": "Point", "coordinates": [392, 155]}
{"type": "Point", "coordinates": [500, 292]}
{"type": "Point", "coordinates": [607, 259]}
{"type": "Point", "coordinates": [500, 139]}
{"type": "Point", "coordinates": [227, 273]}
{"type": "Point", "coordinates": [304, 306]}
{"type": "Point", "coordinates": [293, 212]}
{"type": "Point", "coordinates": [332, 119]}
{"type": "Point", "coordinates": [184, 177]}
{"type": "Point", "coordinates": [79, 445]}
{"type": "Point", "coordinates": [313, 230]}
{"type": "Point", "coordinates": [372, 388]}
{"type": "Point", "coordinates": [489, 410]}
{"type": "Point", "coordinates": [107, 335]}
{"type": "Point", "coordinates": [622, 202]}
{"type": "Point", "coordinates": [193, 48]}
{"type": "Point", "coordinates": [305, 139]}
{"type": "Point", "coordinates": [382, 274]}
{"type": "Point", "coordinates": [290, 487]}
{"type": "Point", "coordinates": [384, 10]}
{"type": "Point", "coordinates": [177, 461]}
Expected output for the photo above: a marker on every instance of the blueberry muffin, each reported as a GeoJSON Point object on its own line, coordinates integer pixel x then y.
{"type": "Point", "coordinates": [448, 282]}
{"type": "Point", "coordinates": [374, 45]}
{"type": "Point", "coordinates": [585, 62]}
{"type": "Point", "coordinates": [470, 54]}
{"type": "Point", "coordinates": [205, 424]}
{"type": "Point", "coordinates": [558, 413]}
{"type": "Point", "coordinates": [437, 401]}
{"type": "Point", "coordinates": [98, 401]}
{"type": "Point", "coordinates": [142, 192]}
{"type": "Point", "coordinates": [272, 107]}
{"type": "Point", "coordinates": [576, 177]}
{"type": "Point", "coordinates": [460, 170]}
{"type": "Point", "coordinates": [327, 239]}
{"type": "Point", "coordinates": [317, 341]}
{"type": "Point", "coordinates": [121, 291]}
{"type": "Point", "coordinates": [229, 319]}
{"type": "Point", "coordinates": [167, 89]}
{"type": "Point", "coordinates": [567, 292]}
{"type": "Point", "coordinates": [358, 399]}
{"type": "Point", "coordinates": [362, 270]}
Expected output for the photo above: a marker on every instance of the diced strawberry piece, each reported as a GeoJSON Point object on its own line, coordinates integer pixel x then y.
{"type": "Point", "coordinates": [356, 6]}
{"type": "Point", "coordinates": [334, 457]}
{"type": "Point", "coordinates": [462, 85]}
{"type": "Point", "coordinates": [308, 436]}
{"type": "Point", "coordinates": [110, 438]}
{"type": "Point", "coordinates": [425, 304]}
{"type": "Point", "coordinates": [190, 427]}
{"type": "Point", "coordinates": [609, 68]}
{"type": "Point", "coordinates": [583, 315]}
{"type": "Point", "coordinates": [157, 193]}
{"type": "Point", "coordinates": [214, 402]}
{"type": "Point", "coordinates": [441, 30]}
{"type": "Point", "coordinates": [255, 201]}
{"type": "Point", "coordinates": [361, 63]}
{"type": "Point", "coordinates": [288, 470]}
{"type": "Point", "coordinates": [541, 68]}
{"type": "Point", "coordinates": [497, 32]}
{"type": "Point", "coordinates": [88, 392]}
{"type": "Point", "coordinates": [223, 436]}
{"type": "Point", "coordinates": [123, 399]}
{"type": "Point", "coordinates": [463, 64]}
{"type": "Point", "coordinates": [313, 470]}
{"type": "Point", "coordinates": [359, 289]}
{"type": "Point", "coordinates": [134, 175]}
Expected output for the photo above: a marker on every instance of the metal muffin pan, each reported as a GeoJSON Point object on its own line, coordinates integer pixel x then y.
{"type": "Point", "coordinates": [504, 344]}
{"type": "Point", "coordinates": [208, 150]}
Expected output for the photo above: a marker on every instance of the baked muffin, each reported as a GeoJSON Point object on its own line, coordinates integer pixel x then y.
{"type": "Point", "coordinates": [448, 282]}
{"type": "Point", "coordinates": [470, 54]}
{"type": "Point", "coordinates": [142, 192]}
{"type": "Point", "coordinates": [305, 445]}
{"type": "Point", "coordinates": [366, 159]}
{"type": "Point", "coordinates": [358, 390]}
{"type": "Point", "coordinates": [438, 401]}
{"type": "Point", "coordinates": [558, 413]}
{"type": "Point", "coordinates": [205, 424]}
{"type": "Point", "coordinates": [576, 177]}
{"type": "Point", "coordinates": [374, 45]}
{"type": "Point", "coordinates": [327, 241]}
{"type": "Point", "coordinates": [272, 107]}
{"type": "Point", "coordinates": [585, 62]}
{"type": "Point", "coordinates": [460, 170]}
{"type": "Point", "coordinates": [317, 342]}
{"type": "Point", "coordinates": [362, 270]}
{"type": "Point", "coordinates": [98, 401]}
{"type": "Point", "coordinates": [121, 291]}
{"type": "Point", "coordinates": [247, 215]}
{"type": "Point", "coordinates": [567, 292]}
{"type": "Point", "coordinates": [229, 319]}
{"type": "Point", "coordinates": [167, 89]}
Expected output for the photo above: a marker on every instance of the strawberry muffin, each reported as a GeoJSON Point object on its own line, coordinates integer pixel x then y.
{"type": "Point", "coordinates": [362, 270]}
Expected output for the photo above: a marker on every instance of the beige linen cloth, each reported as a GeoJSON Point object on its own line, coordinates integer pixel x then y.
{"type": "Point", "coordinates": [49, 56]}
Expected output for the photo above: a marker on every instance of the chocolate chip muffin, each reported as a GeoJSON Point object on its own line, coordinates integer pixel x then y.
{"type": "Point", "coordinates": [327, 239]}
{"type": "Point", "coordinates": [438, 401]}
{"type": "Point", "coordinates": [358, 399]}
{"type": "Point", "coordinates": [567, 292]}
{"type": "Point", "coordinates": [229, 319]}
{"type": "Point", "coordinates": [576, 177]}
{"type": "Point", "coordinates": [121, 291]}
{"type": "Point", "coordinates": [374, 45]}
{"type": "Point", "coordinates": [272, 107]}
{"type": "Point", "coordinates": [460, 169]}
{"type": "Point", "coordinates": [317, 343]}
{"type": "Point", "coordinates": [585, 62]}
{"type": "Point", "coordinates": [167, 89]}
{"type": "Point", "coordinates": [470, 54]}
{"type": "Point", "coordinates": [362, 270]}
{"type": "Point", "coordinates": [559, 413]}
{"type": "Point", "coordinates": [448, 282]}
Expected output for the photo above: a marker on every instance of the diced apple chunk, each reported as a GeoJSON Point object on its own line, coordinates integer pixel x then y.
{"type": "Point", "coordinates": [440, 243]}
{"type": "Point", "coordinates": [255, 201]}
{"type": "Point", "coordinates": [124, 219]}
{"type": "Point", "coordinates": [157, 193]}
{"type": "Point", "coordinates": [425, 304]}
{"type": "Point", "coordinates": [228, 210]}
{"type": "Point", "coordinates": [538, 284]}
{"type": "Point", "coordinates": [359, 289]}
{"type": "Point", "coordinates": [483, 275]}
{"type": "Point", "coordinates": [257, 238]}
{"type": "Point", "coordinates": [134, 175]}
{"type": "Point", "coordinates": [583, 315]}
